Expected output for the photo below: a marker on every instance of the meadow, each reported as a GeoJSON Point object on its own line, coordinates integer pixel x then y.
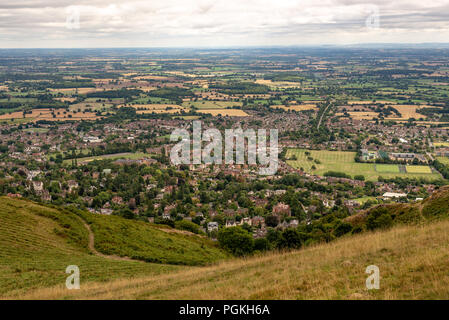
{"type": "Point", "coordinates": [116, 156]}
{"type": "Point", "coordinates": [343, 161]}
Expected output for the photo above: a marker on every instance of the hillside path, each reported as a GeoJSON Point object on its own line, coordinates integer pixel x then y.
{"type": "Point", "coordinates": [94, 251]}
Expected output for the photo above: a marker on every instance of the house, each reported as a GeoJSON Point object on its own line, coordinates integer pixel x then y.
{"type": "Point", "coordinates": [246, 220]}
{"type": "Point", "coordinates": [212, 226]}
{"type": "Point", "coordinates": [38, 186]}
{"type": "Point", "coordinates": [391, 195]}
{"type": "Point", "coordinates": [367, 155]}
{"type": "Point", "coordinates": [230, 223]}
{"type": "Point", "coordinates": [106, 211]}
{"type": "Point", "coordinates": [117, 200]}
{"type": "Point", "coordinates": [72, 184]}
{"type": "Point", "coordinates": [166, 215]}
{"type": "Point", "coordinates": [282, 209]}
{"type": "Point", "coordinates": [294, 223]}
{"type": "Point", "coordinates": [90, 139]}
{"type": "Point", "coordinates": [258, 221]}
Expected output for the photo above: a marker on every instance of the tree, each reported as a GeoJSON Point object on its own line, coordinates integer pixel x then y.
{"type": "Point", "coordinates": [342, 229]}
{"type": "Point", "coordinates": [272, 221]}
{"type": "Point", "coordinates": [236, 240]}
{"type": "Point", "coordinates": [291, 238]}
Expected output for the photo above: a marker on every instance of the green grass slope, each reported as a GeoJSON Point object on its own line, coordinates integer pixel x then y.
{"type": "Point", "coordinates": [37, 243]}
{"type": "Point", "coordinates": [432, 208]}
{"type": "Point", "coordinates": [412, 261]}
{"type": "Point", "coordinates": [142, 241]}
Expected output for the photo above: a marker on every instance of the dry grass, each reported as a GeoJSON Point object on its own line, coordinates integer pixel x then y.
{"type": "Point", "coordinates": [412, 261]}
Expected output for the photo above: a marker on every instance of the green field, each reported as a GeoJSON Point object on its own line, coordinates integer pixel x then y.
{"type": "Point", "coordinates": [128, 155]}
{"type": "Point", "coordinates": [443, 160]}
{"type": "Point", "coordinates": [387, 168]}
{"type": "Point", "coordinates": [418, 169]}
{"type": "Point", "coordinates": [343, 161]}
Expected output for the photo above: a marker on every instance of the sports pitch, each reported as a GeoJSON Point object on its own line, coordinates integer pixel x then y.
{"type": "Point", "coordinates": [343, 161]}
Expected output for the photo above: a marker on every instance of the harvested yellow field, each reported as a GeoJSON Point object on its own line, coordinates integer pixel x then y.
{"type": "Point", "coordinates": [158, 108]}
{"type": "Point", "coordinates": [225, 112]}
{"type": "Point", "coordinates": [409, 111]}
{"type": "Point", "coordinates": [361, 102]}
{"type": "Point", "coordinates": [296, 107]}
{"type": "Point", "coordinates": [50, 115]}
{"type": "Point", "coordinates": [366, 115]}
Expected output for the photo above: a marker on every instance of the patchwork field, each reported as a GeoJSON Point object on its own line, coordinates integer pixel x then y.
{"type": "Point", "coordinates": [321, 161]}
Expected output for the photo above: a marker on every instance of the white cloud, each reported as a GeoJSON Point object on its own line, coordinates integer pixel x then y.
{"type": "Point", "coordinates": [36, 23]}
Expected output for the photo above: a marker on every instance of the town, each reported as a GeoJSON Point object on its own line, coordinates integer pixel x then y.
{"type": "Point", "coordinates": [97, 136]}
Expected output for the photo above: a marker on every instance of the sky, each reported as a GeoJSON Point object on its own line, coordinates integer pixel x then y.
{"type": "Point", "coordinates": [219, 23]}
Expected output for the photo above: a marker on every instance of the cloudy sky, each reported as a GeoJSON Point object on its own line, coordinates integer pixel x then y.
{"type": "Point", "coordinates": [178, 23]}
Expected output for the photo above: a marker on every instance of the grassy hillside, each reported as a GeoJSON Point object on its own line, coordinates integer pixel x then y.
{"type": "Point", "coordinates": [412, 262]}
{"type": "Point", "coordinates": [37, 243]}
{"type": "Point", "coordinates": [35, 250]}
{"type": "Point", "coordinates": [434, 207]}
{"type": "Point", "coordinates": [138, 240]}
{"type": "Point", "coordinates": [410, 247]}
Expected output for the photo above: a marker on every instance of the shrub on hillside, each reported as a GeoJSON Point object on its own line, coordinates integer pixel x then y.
{"type": "Point", "coordinates": [236, 240]}
{"type": "Point", "coordinates": [188, 226]}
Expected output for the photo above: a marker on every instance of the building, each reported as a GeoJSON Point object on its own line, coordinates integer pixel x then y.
{"type": "Point", "coordinates": [391, 195]}
{"type": "Point", "coordinates": [212, 226]}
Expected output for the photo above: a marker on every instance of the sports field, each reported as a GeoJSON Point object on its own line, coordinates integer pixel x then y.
{"type": "Point", "coordinates": [320, 161]}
